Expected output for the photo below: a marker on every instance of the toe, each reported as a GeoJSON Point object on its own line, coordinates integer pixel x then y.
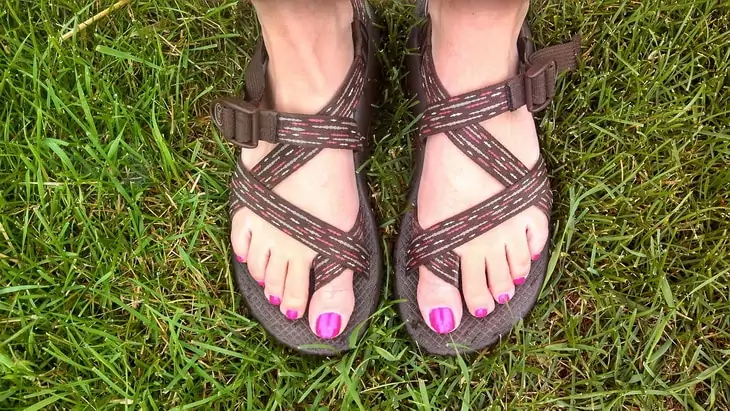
{"type": "Point", "coordinates": [331, 307]}
{"type": "Point", "coordinates": [296, 289]}
{"type": "Point", "coordinates": [537, 234]}
{"type": "Point", "coordinates": [257, 259]}
{"type": "Point", "coordinates": [498, 276]}
{"type": "Point", "coordinates": [275, 278]}
{"type": "Point", "coordinates": [439, 302]}
{"type": "Point", "coordinates": [240, 235]}
{"type": "Point", "coordinates": [474, 285]}
{"type": "Point", "coordinates": [518, 258]}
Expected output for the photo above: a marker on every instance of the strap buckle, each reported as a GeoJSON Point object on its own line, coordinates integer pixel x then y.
{"type": "Point", "coordinates": [539, 84]}
{"type": "Point", "coordinates": [244, 124]}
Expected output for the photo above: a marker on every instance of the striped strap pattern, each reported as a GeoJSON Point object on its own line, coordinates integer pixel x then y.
{"type": "Point", "coordinates": [428, 246]}
{"type": "Point", "coordinates": [300, 139]}
{"type": "Point", "coordinates": [244, 124]}
{"type": "Point", "coordinates": [459, 118]}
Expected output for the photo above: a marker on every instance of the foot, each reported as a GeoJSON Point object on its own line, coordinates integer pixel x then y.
{"type": "Point", "coordinates": [474, 46]}
{"type": "Point", "coordinates": [308, 61]}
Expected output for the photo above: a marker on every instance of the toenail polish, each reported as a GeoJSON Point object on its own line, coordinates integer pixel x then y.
{"type": "Point", "coordinates": [328, 325]}
{"type": "Point", "coordinates": [481, 313]}
{"type": "Point", "coordinates": [241, 259]}
{"type": "Point", "coordinates": [261, 283]}
{"type": "Point", "coordinates": [520, 281]}
{"type": "Point", "coordinates": [442, 320]}
{"type": "Point", "coordinates": [535, 257]}
{"type": "Point", "coordinates": [503, 298]}
{"type": "Point", "coordinates": [274, 300]}
{"type": "Point", "coordinates": [292, 314]}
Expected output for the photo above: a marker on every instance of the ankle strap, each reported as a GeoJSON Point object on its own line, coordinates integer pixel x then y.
{"type": "Point", "coordinates": [534, 87]}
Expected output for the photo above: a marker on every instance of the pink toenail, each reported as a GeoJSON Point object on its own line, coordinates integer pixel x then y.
{"type": "Point", "coordinates": [274, 300]}
{"type": "Point", "coordinates": [520, 281]}
{"type": "Point", "coordinates": [328, 325]}
{"type": "Point", "coordinates": [535, 257]}
{"type": "Point", "coordinates": [481, 313]}
{"type": "Point", "coordinates": [292, 314]}
{"type": "Point", "coordinates": [503, 298]}
{"type": "Point", "coordinates": [442, 320]}
{"type": "Point", "coordinates": [261, 283]}
{"type": "Point", "coordinates": [241, 259]}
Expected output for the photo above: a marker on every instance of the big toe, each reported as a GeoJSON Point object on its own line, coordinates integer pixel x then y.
{"type": "Point", "coordinates": [331, 306]}
{"type": "Point", "coordinates": [439, 302]}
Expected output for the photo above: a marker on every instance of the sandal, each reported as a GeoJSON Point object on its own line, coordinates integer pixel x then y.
{"type": "Point", "coordinates": [342, 124]}
{"type": "Point", "coordinates": [434, 247]}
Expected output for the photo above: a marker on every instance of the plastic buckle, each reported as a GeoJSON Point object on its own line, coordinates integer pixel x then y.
{"type": "Point", "coordinates": [548, 72]}
{"type": "Point", "coordinates": [246, 115]}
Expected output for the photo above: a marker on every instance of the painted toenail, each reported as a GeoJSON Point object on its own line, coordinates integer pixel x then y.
{"type": "Point", "coordinates": [503, 298]}
{"type": "Point", "coordinates": [274, 300]}
{"type": "Point", "coordinates": [261, 283]}
{"type": "Point", "coordinates": [481, 313]}
{"type": "Point", "coordinates": [535, 257]}
{"type": "Point", "coordinates": [292, 314]}
{"type": "Point", "coordinates": [442, 320]}
{"type": "Point", "coordinates": [328, 325]}
{"type": "Point", "coordinates": [241, 259]}
{"type": "Point", "coordinates": [520, 281]}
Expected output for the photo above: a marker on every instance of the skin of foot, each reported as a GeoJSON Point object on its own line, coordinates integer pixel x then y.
{"type": "Point", "coordinates": [309, 58]}
{"type": "Point", "coordinates": [474, 46]}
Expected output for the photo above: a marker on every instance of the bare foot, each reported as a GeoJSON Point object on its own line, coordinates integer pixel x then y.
{"type": "Point", "coordinates": [474, 45]}
{"type": "Point", "coordinates": [308, 61]}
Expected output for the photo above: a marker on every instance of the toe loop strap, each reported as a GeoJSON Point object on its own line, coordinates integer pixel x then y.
{"type": "Point", "coordinates": [429, 245]}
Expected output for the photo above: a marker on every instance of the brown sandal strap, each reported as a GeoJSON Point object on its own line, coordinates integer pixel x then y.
{"type": "Point", "coordinates": [341, 247]}
{"type": "Point", "coordinates": [282, 162]}
{"type": "Point", "coordinates": [300, 138]}
{"type": "Point", "coordinates": [244, 125]}
{"type": "Point", "coordinates": [459, 117]}
{"type": "Point", "coordinates": [534, 87]}
{"type": "Point", "coordinates": [532, 190]}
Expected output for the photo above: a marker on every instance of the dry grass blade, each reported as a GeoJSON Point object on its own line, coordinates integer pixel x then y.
{"type": "Point", "coordinates": [94, 19]}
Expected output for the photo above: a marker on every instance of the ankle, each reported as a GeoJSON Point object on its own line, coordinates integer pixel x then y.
{"type": "Point", "coordinates": [475, 42]}
{"type": "Point", "coordinates": [474, 13]}
{"type": "Point", "coordinates": [308, 56]}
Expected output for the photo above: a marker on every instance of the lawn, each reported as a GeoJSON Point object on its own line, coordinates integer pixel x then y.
{"type": "Point", "coordinates": [115, 288]}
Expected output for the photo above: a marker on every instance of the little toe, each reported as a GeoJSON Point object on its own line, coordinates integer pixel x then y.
{"type": "Point", "coordinates": [275, 278]}
{"type": "Point", "coordinates": [519, 258]}
{"type": "Point", "coordinates": [331, 306]}
{"type": "Point", "coordinates": [498, 276]}
{"type": "Point", "coordinates": [537, 234]}
{"type": "Point", "coordinates": [296, 288]}
{"type": "Point", "coordinates": [439, 302]}
{"type": "Point", "coordinates": [474, 285]}
{"type": "Point", "coordinates": [257, 259]}
{"type": "Point", "coordinates": [240, 235]}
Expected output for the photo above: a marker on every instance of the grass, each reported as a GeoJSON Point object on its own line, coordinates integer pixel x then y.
{"type": "Point", "coordinates": [115, 289]}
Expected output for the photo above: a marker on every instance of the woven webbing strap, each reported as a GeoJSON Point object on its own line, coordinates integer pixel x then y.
{"type": "Point", "coordinates": [245, 124]}
{"type": "Point", "coordinates": [299, 139]}
{"type": "Point", "coordinates": [459, 117]}
{"type": "Point", "coordinates": [534, 87]}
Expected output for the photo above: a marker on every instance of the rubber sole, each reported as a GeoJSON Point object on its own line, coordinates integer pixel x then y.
{"type": "Point", "coordinates": [366, 286]}
{"type": "Point", "coordinates": [473, 334]}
